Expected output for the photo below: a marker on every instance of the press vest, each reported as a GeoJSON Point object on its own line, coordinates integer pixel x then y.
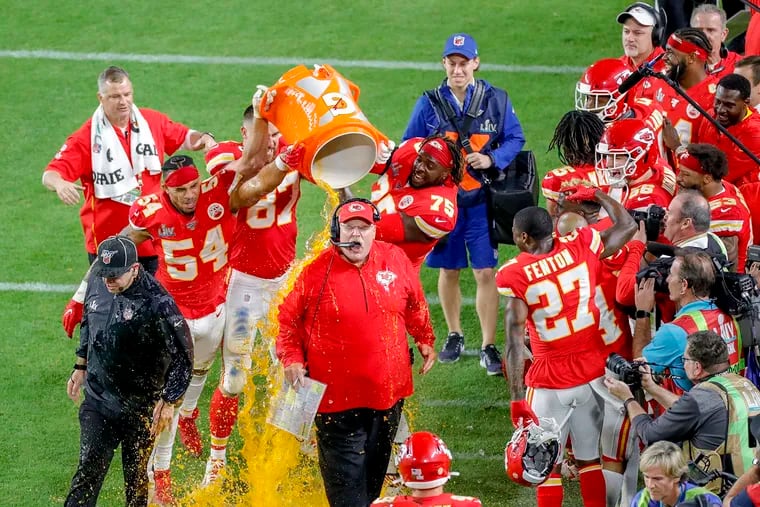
{"type": "Point", "coordinates": [720, 323]}
{"type": "Point", "coordinates": [483, 133]}
{"type": "Point", "coordinates": [742, 400]}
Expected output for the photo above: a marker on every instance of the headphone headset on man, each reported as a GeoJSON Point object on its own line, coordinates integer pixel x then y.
{"type": "Point", "coordinates": [335, 239]}
{"type": "Point", "coordinates": [660, 21]}
{"type": "Point", "coordinates": [335, 221]}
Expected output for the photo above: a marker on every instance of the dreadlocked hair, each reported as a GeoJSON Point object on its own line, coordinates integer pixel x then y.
{"type": "Point", "coordinates": [695, 36]}
{"type": "Point", "coordinates": [576, 136]}
{"type": "Point", "coordinates": [457, 171]}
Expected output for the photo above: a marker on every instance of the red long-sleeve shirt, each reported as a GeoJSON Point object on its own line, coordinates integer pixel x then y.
{"type": "Point", "coordinates": [348, 325]}
{"type": "Point", "coordinates": [102, 218]}
{"type": "Point", "coordinates": [741, 168]}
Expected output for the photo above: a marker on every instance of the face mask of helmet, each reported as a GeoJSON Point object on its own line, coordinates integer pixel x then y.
{"type": "Point", "coordinates": [532, 452]}
{"type": "Point", "coordinates": [597, 90]}
{"type": "Point", "coordinates": [622, 151]}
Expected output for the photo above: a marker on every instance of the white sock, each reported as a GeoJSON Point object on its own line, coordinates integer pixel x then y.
{"type": "Point", "coordinates": [162, 453]}
{"type": "Point", "coordinates": [192, 395]}
{"type": "Point", "coordinates": [631, 474]}
{"type": "Point", "coordinates": [614, 482]}
{"type": "Point", "coordinates": [218, 452]}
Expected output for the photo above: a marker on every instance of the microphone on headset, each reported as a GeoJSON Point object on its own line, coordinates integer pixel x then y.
{"type": "Point", "coordinates": [643, 71]}
{"type": "Point", "coordinates": [346, 244]}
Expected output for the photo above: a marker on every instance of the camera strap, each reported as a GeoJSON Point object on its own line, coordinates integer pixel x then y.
{"type": "Point", "coordinates": [727, 399]}
{"type": "Point", "coordinates": [444, 109]}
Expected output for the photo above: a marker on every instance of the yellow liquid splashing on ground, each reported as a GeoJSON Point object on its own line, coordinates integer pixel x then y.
{"type": "Point", "coordinates": [276, 469]}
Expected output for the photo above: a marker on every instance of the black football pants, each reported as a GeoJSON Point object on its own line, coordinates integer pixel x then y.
{"type": "Point", "coordinates": [354, 448]}
{"type": "Point", "coordinates": [100, 434]}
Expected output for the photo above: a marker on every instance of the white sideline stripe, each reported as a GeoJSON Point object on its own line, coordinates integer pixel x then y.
{"type": "Point", "coordinates": [47, 287]}
{"type": "Point", "coordinates": [478, 456]}
{"type": "Point", "coordinates": [35, 287]}
{"type": "Point", "coordinates": [464, 403]}
{"type": "Point", "coordinates": [50, 54]}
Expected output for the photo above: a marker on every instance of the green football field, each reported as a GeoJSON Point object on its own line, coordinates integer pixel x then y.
{"type": "Point", "coordinates": [199, 63]}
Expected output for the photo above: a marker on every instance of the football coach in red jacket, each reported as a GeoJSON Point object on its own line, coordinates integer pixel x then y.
{"type": "Point", "coordinates": [345, 324]}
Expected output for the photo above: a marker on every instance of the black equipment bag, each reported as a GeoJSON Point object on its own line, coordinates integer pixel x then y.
{"type": "Point", "coordinates": [508, 192]}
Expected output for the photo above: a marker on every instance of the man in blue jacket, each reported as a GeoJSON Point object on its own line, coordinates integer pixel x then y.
{"type": "Point", "coordinates": [492, 137]}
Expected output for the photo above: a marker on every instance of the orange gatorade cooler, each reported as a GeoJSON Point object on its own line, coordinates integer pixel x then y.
{"type": "Point", "coordinates": [318, 109]}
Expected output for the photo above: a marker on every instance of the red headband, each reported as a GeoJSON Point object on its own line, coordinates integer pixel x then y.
{"type": "Point", "coordinates": [182, 176]}
{"type": "Point", "coordinates": [440, 152]}
{"type": "Point", "coordinates": [686, 161]}
{"type": "Point", "coordinates": [685, 46]}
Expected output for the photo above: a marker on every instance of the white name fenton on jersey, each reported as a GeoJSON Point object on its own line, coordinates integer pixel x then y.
{"type": "Point", "coordinates": [548, 265]}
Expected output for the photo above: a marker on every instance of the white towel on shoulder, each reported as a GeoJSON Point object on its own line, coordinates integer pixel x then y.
{"type": "Point", "coordinates": [113, 175]}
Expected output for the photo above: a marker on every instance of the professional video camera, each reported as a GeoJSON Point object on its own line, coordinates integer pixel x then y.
{"type": "Point", "coordinates": [734, 293]}
{"type": "Point", "coordinates": [659, 269]}
{"type": "Point", "coordinates": [624, 370]}
{"type": "Point", "coordinates": [652, 218]}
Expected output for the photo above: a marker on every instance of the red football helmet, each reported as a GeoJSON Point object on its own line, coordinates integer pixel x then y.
{"type": "Point", "coordinates": [423, 461]}
{"type": "Point", "coordinates": [532, 452]}
{"type": "Point", "coordinates": [597, 90]}
{"type": "Point", "coordinates": [622, 152]}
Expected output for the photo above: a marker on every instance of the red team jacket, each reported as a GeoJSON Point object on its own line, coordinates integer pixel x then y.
{"type": "Point", "coordinates": [102, 218]}
{"type": "Point", "coordinates": [647, 86]}
{"type": "Point", "coordinates": [193, 249]}
{"type": "Point", "coordinates": [741, 169]}
{"type": "Point", "coordinates": [348, 326]}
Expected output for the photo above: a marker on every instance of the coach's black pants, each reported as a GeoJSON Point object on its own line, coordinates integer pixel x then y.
{"type": "Point", "coordinates": [354, 449]}
{"type": "Point", "coordinates": [100, 433]}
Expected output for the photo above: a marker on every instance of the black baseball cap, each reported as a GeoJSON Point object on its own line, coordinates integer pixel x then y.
{"type": "Point", "coordinates": [115, 256]}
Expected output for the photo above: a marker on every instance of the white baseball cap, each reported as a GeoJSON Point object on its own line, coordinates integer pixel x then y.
{"type": "Point", "coordinates": [642, 15]}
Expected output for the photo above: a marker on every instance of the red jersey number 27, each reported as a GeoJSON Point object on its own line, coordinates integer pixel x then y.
{"type": "Point", "coordinates": [552, 312]}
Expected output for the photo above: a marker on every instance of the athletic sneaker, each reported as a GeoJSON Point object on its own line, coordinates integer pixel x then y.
{"type": "Point", "coordinates": [162, 494]}
{"type": "Point", "coordinates": [452, 349]}
{"type": "Point", "coordinates": [491, 360]}
{"type": "Point", "coordinates": [214, 467]}
{"type": "Point", "coordinates": [189, 434]}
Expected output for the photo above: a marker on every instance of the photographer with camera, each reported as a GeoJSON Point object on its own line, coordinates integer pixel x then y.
{"type": "Point", "coordinates": [686, 224]}
{"type": "Point", "coordinates": [712, 418]}
{"type": "Point", "coordinates": [702, 167]}
{"type": "Point", "coordinates": [689, 285]}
